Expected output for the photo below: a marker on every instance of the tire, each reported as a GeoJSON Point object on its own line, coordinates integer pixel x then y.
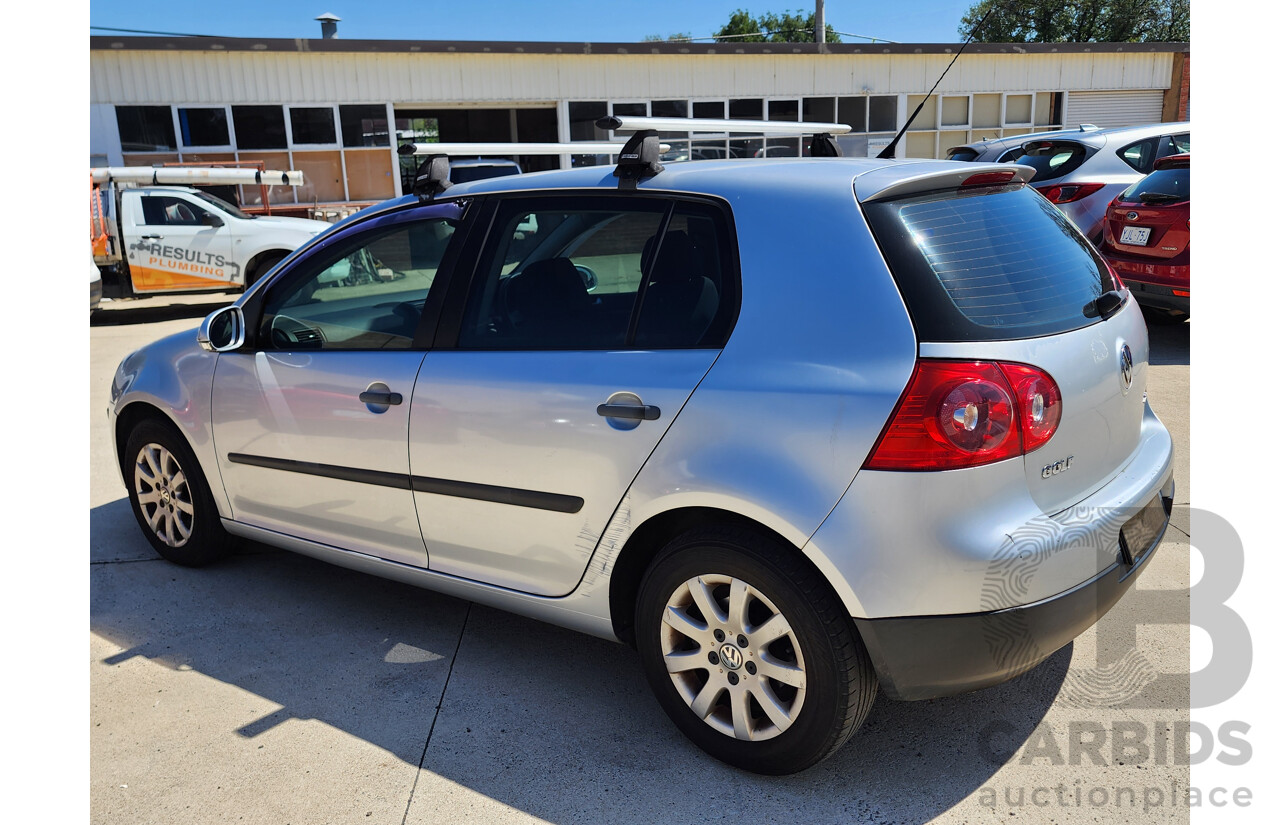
{"type": "Point", "coordinates": [170, 497]}
{"type": "Point", "coordinates": [817, 670]}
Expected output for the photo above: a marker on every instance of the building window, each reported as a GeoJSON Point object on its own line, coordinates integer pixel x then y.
{"type": "Point", "coordinates": [363, 126]}
{"type": "Point", "coordinates": [145, 128]}
{"type": "Point", "coordinates": [882, 113]}
{"type": "Point", "coordinates": [204, 126]}
{"type": "Point", "coordinates": [259, 127]}
{"type": "Point", "coordinates": [313, 125]}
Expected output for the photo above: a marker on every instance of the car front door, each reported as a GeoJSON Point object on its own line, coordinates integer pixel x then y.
{"type": "Point", "coordinates": [178, 245]}
{"type": "Point", "coordinates": [311, 420]}
{"type": "Point", "coordinates": [587, 324]}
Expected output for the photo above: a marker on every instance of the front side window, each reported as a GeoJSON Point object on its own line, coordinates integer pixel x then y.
{"type": "Point", "coordinates": [600, 273]}
{"type": "Point", "coordinates": [165, 210]}
{"type": "Point", "coordinates": [368, 293]}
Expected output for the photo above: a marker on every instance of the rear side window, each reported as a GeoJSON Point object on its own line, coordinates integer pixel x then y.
{"type": "Point", "coordinates": [1052, 158]}
{"type": "Point", "coordinates": [578, 273]}
{"type": "Point", "coordinates": [1142, 155]}
{"type": "Point", "coordinates": [1161, 186]}
{"type": "Point", "coordinates": [987, 265]}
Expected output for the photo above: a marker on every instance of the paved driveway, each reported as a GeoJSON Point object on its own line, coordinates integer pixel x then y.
{"type": "Point", "coordinates": [276, 689]}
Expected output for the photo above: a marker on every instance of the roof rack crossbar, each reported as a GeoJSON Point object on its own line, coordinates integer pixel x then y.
{"type": "Point", "coordinates": [696, 124]}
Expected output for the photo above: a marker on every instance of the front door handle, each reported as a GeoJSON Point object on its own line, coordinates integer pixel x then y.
{"type": "Point", "coordinates": [152, 237]}
{"type": "Point", "coordinates": [632, 412]}
{"type": "Point", "coordinates": [384, 398]}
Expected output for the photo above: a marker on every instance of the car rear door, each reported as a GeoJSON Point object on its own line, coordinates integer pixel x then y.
{"type": "Point", "coordinates": [587, 324]}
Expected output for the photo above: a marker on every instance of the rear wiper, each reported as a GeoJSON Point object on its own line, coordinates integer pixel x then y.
{"type": "Point", "coordinates": [1105, 305]}
{"type": "Point", "coordinates": [1159, 197]}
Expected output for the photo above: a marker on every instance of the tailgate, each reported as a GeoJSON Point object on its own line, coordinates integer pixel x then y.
{"type": "Point", "coordinates": [997, 274]}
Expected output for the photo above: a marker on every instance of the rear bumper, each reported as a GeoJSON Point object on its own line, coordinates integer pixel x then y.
{"type": "Point", "coordinates": [925, 657]}
{"type": "Point", "coordinates": [1158, 296]}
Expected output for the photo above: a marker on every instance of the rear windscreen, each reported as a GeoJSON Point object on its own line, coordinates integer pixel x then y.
{"type": "Point", "coordinates": [1052, 158]}
{"type": "Point", "coordinates": [1161, 186]}
{"type": "Point", "coordinates": [962, 153]}
{"type": "Point", "coordinates": [987, 264]}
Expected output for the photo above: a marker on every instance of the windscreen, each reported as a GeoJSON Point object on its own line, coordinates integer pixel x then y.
{"type": "Point", "coordinates": [988, 264]}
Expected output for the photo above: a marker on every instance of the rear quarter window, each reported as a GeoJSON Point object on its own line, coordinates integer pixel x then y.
{"type": "Point", "coordinates": [987, 265]}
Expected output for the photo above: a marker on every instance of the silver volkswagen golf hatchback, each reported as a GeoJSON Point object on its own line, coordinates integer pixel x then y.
{"type": "Point", "coordinates": [798, 430]}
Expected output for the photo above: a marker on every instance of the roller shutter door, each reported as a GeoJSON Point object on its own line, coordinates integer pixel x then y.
{"type": "Point", "coordinates": [1107, 109]}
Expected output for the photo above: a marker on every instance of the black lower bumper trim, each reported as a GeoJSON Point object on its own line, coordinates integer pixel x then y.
{"type": "Point", "coordinates": [925, 657]}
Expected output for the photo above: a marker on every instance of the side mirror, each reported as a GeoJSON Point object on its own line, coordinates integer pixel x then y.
{"type": "Point", "coordinates": [222, 330]}
{"type": "Point", "coordinates": [209, 219]}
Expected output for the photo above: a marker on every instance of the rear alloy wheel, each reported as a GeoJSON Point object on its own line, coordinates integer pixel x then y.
{"type": "Point", "coordinates": [750, 653]}
{"type": "Point", "coordinates": [170, 497]}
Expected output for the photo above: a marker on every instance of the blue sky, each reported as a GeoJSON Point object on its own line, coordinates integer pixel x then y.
{"type": "Point", "coordinates": [916, 21]}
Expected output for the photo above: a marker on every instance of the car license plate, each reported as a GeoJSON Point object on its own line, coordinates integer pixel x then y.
{"type": "Point", "coordinates": [1135, 235]}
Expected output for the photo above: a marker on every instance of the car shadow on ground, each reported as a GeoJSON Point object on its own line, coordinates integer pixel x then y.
{"type": "Point", "coordinates": [1170, 341]}
{"type": "Point", "coordinates": [542, 719]}
{"type": "Point", "coordinates": [119, 313]}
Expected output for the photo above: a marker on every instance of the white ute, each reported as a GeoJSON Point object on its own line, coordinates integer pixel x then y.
{"type": "Point", "coordinates": [152, 234]}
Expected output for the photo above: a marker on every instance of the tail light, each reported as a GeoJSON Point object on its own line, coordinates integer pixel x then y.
{"type": "Point", "coordinates": [967, 413]}
{"type": "Point", "coordinates": [1069, 192]}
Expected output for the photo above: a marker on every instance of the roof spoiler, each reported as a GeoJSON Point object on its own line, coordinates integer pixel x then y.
{"type": "Point", "coordinates": [889, 182]}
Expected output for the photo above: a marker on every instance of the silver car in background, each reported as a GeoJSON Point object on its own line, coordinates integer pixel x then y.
{"type": "Point", "coordinates": [797, 430]}
{"type": "Point", "coordinates": [1081, 171]}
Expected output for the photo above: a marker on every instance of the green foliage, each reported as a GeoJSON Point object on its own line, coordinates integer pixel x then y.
{"type": "Point", "coordinates": [677, 37]}
{"type": "Point", "coordinates": [788, 27]}
{"type": "Point", "coordinates": [1080, 21]}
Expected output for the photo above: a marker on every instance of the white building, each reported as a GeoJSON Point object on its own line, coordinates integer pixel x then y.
{"type": "Point", "coordinates": [323, 106]}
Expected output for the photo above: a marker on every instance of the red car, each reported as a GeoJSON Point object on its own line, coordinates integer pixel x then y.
{"type": "Point", "coordinates": [1147, 237]}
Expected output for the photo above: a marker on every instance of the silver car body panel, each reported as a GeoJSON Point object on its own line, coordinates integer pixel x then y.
{"type": "Point", "coordinates": [174, 377]}
{"type": "Point", "coordinates": [527, 422]}
{"type": "Point", "coordinates": [775, 431]}
{"type": "Point", "coordinates": [278, 414]}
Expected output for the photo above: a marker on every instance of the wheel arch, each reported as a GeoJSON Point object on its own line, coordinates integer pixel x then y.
{"type": "Point", "coordinates": [129, 417]}
{"type": "Point", "coordinates": [656, 532]}
{"type": "Point", "coordinates": [261, 262]}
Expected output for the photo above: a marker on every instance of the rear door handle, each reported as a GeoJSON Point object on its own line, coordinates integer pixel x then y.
{"type": "Point", "coordinates": [385, 398]}
{"type": "Point", "coordinates": [633, 412]}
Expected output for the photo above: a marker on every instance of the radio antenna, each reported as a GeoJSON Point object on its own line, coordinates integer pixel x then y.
{"type": "Point", "coordinates": [888, 151]}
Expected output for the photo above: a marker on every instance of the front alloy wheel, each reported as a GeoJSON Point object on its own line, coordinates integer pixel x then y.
{"type": "Point", "coordinates": [170, 497]}
{"type": "Point", "coordinates": [164, 496]}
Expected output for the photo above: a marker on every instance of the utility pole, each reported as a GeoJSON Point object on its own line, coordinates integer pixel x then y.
{"type": "Point", "coordinates": [820, 22]}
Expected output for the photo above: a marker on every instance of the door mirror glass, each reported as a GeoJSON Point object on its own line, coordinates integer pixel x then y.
{"type": "Point", "coordinates": [222, 330]}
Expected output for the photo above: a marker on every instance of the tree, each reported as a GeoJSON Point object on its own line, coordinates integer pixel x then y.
{"type": "Point", "coordinates": [677, 37]}
{"type": "Point", "coordinates": [1080, 21]}
{"type": "Point", "coordinates": [788, 27]}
